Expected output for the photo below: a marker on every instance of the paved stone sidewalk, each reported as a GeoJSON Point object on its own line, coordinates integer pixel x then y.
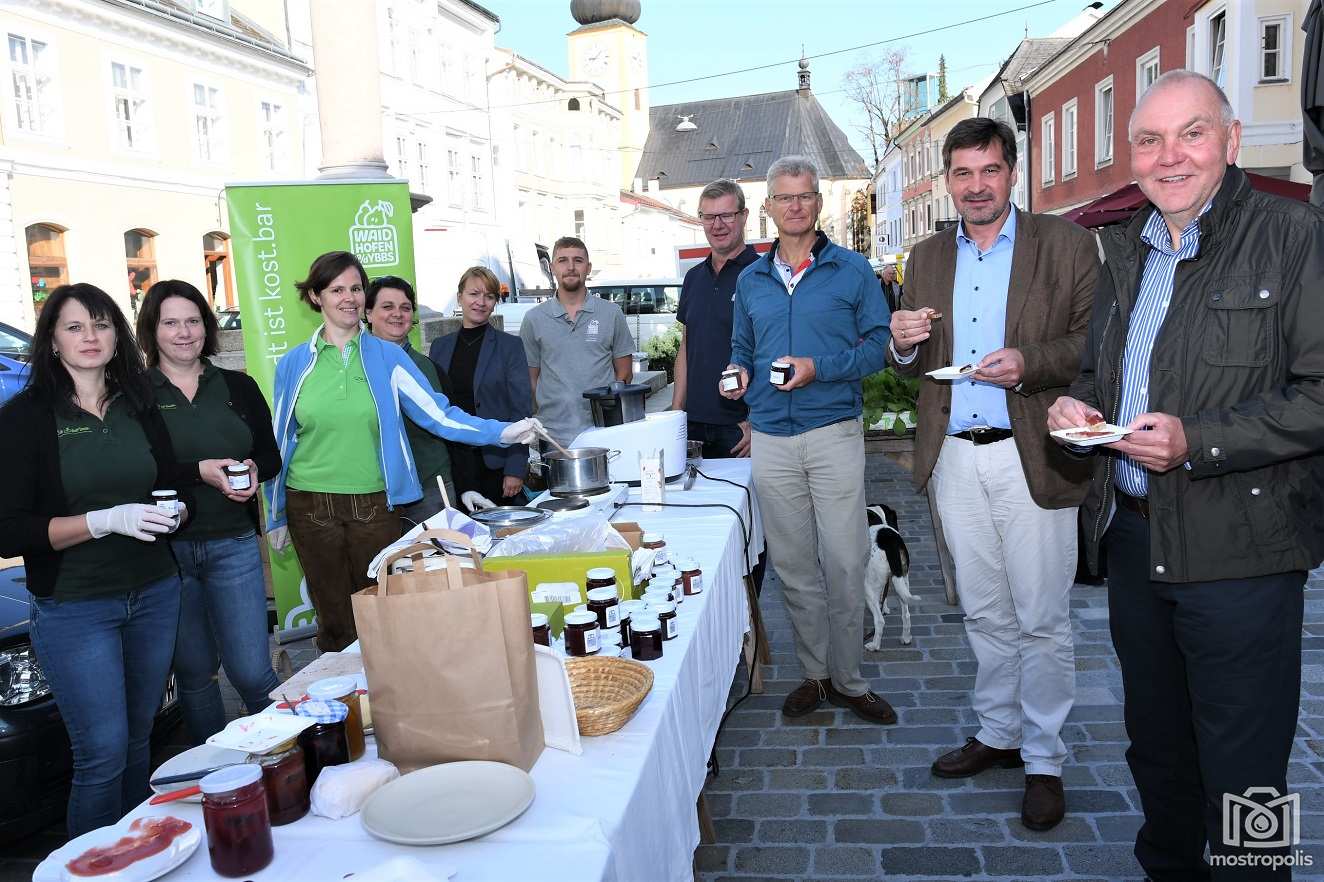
{"type": "Point", "coordinates": [828, 797]}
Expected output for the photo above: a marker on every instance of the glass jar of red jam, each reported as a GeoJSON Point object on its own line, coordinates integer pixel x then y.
{"type": "Point", "coordinates": [666, 614]}
{"type": "Point", "coordinates": [234, 810]}
{"type": "Point", "coordinates": [605, 603]}
{"type": "Point", "coordinates": [658, 543]}
{"type": "Point", "coordinates": [645, 638]}
{"type": "Point", "coordinates": [582, 635]}
{"type": "Point", "coordinates": [542, 629]}
{"type": "Point", "coordinates": [285, 779]}
{"type": "Point", "coordinates": [691, 576]}
{"type": "Point", "coordinates": [324, 743]}
{"type": "Point", "coordinates": [600, 577]}
{"type": "Point", "coordinates": [346, 691]}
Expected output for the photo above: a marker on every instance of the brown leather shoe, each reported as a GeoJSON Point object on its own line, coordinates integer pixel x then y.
{"type": "Point", "coordinates": [974, 757]}
{"type": "Point", "coordinates": [1045, 804]}
{"type": "Point", "coordinates": [806, 698]}
{"type": "Point", "coordinates": [868, 707]}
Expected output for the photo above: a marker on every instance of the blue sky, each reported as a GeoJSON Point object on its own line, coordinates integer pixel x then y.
{"type": "Point", "coordinates": [690, 38]}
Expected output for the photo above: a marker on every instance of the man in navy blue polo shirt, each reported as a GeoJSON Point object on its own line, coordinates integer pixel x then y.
{"type": "Point", "coordinates": [706, 302]}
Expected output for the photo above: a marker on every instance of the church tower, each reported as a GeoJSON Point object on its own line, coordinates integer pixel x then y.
{"type": "Point", "coordinates": [609, 50]}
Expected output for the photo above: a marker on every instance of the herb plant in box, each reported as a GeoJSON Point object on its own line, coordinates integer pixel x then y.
{"type": "Point", "coordinates": [889, 401]}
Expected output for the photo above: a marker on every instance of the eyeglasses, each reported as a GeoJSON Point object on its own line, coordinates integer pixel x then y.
{"type": "Point", "coordinates": [725, 217]}
{"type": "Point", "coordinates": [788, 198]}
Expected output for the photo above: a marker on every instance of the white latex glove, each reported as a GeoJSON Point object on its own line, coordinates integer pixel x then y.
{"type": "Point", "coordinates": [278, 538]}
{"type": "Point", "coordinates": [136, 520]}
{"type": "Point", "coordinates": [526, 431]}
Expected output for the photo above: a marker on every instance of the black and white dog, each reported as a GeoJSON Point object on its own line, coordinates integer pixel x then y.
{"type": "Point", "coordinates": [889, 567]}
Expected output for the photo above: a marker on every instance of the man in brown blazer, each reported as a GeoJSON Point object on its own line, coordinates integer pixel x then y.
{"type": "Point", "coordinates": [1006, 297]}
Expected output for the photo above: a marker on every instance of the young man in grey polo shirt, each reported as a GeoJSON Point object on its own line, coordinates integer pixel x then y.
{"type": "Point", "coordinates": [573, 342]}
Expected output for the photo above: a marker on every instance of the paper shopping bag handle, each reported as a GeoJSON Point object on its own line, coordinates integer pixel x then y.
{"type": "Point", "coordinates": [453, 536]}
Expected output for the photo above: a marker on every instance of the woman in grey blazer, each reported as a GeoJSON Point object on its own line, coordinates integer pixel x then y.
{"type": "Point", "coordinates": [489, 376]}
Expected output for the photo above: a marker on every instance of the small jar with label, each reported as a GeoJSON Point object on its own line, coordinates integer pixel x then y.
{"type": "Point", "coordinates": [346, 691]}
{"type": "Point", "coordinates": [234, 811]}
{"type": "Point", "coordinates": [626, 613]}
{"type": "Point", "coordinates": [657, 543]}
{"type": "Point", "coordinates": [780, 373]}
{"type": "Point", "coordinates": [654, 596]}
{"type": "Point", "coordinates": [691, 576]}
{"type": "Point", "coordinates": [600, 577]}
{"type": "Point", "coordinates": [542, 629]}
{"type": "Point", "coordinates": [646, 638]}
{"type": "Point", "coordinates": [285, 778]}
{"type": "Point", "coordinates": [239, 476]}
{"type": "Point", "coordinates": [605, 603]}
{"type": "Point", "coordinates": [324, 743]}
{"type": "Point", "coordinates": [582, 635]}
{"type": "Point", "coordinates": [666, 614]}
{"type": "Point", "coordinates": [730, 381]}
{"type": "Point", "coordinates": [167, 501]}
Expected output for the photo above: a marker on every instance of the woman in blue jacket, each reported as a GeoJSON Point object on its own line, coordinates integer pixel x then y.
{"type": "Point", "coordinates": [339, 402]}
{"type": "Point", "coordinates": [489, 376]}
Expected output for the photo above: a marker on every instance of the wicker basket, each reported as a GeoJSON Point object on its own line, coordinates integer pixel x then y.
{"type": "Point", "coordinates": [607, 691]}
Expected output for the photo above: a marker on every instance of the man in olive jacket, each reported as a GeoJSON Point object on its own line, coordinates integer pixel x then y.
{"type": "Point", "coordinates": [1207, 340]}
{"type": "Point", "coordinates": [1010, 292]}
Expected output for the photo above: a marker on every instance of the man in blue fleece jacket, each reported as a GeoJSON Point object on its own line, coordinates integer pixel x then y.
{"type": "Point", "coordinates": [814, 306]}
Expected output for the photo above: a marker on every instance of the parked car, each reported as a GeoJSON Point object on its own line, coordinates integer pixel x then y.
{"type": "Point", "coordinates": [15, 352]}
{"type": "Point", "coordinates": [35, 761]}
{"type": "Point", "coordinates": [640, 296]}
{"type": "Point", "coordinates": [229, 320]}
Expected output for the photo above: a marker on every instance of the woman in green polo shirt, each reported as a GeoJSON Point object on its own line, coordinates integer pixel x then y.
{"type": "Point", "coordinates": [88, 447]}
{"type": "Point", "coordinates": [391, 305]}
{"type": "Point", "coordinates": [220, 415]}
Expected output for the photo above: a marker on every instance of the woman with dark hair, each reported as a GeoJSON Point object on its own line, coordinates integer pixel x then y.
{"type": "Point", "coordinates": [218, 415]}
{"type": "Point", "coordinates": [340, 400]}
{"type": "Point", "coordinates": [90, 446]}
{"type": "Point", "coordinates": [391, 306]}
{"type": "Point", "coordinates": [489, 376]}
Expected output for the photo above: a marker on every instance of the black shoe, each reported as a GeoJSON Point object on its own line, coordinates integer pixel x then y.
{"type": "Point", "coordinates": [806, 698]}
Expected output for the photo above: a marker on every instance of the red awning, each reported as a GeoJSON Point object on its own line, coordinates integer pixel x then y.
{"type": "Point", "coordinates": [1120, 205]}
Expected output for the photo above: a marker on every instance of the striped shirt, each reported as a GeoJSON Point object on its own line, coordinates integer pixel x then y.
{"type": "Point", "coordinates": [1146, 319]}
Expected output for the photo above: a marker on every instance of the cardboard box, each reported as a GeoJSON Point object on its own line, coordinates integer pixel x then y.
{"type": "Point", "coordinates": [633, 533]}
{"type": "Point", "coordinates": [555, 615]}
{"type": "Point", "coordinates": [570, 567]}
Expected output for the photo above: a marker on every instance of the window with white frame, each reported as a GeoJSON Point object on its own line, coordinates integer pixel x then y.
{"type": "Point", "coordinates": [402, 157]}
{"type": "Point", "coordinates": [206, 122]}
{"type": "Point", "coordinates": [218, 9]}
{"type": "Point", "coordinates": [132, 109]}
{"type": "Point", "coordinates": [455, 177]}
{"type": "Point", "coordinates": [1103, 122]}
{"type": "Point", "coordinates": [423, 165]}
{"type": "Point", "coordinates": [1147, 71]}
{"type": "Point", "coordinates": [476, 175]}
{"type": "Point", "coordinates": [1069, 116]}
{"type": "Point", "coordinates": [1190, 48]}
{"type": "Point", "coordinates": [1047, 150]}
{"type": "Point", "coordinates": [1217, 55]}
{"type": "Point", "coordinates": [32, 73]}
{"type": "Point", "coordinates": [1276, 49]}
{"type": "Point", "coordinates": [392, 42]}
{"type": "Point", "coordinates": [271, 120]}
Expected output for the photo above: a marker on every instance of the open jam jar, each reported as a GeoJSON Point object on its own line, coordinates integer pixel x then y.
{"type": "Point", "coordinates": [234, 810]}
{"type": "Point", "coordinates": [582, 636]}
{"type": "Point", "coordinates": [324, 743]}
{"type": "Point", "coordinates": [285, 779]}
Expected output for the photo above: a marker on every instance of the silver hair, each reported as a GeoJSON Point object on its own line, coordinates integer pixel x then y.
{"type": "Point", "coordinates": [1226, 115]}
{"type": "Point", "coordinates": [792, 167]}
{"type": "Point", "coordinates": [724, 187]}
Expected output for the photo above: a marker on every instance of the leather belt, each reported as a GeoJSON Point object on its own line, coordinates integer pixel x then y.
{"type": "Point", "coordinates": [983, 436]}
{"type": "Point", "coordinates": [1136, 504]}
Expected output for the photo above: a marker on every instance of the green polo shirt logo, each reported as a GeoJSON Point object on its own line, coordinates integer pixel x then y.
{"type": "Point", "coordinates": [73, 430]}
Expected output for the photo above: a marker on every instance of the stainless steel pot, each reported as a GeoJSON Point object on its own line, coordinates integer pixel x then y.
{"type": "Point", "coordinates": [581, 473]}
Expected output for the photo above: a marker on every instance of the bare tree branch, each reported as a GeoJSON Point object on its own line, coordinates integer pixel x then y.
{"type": "Point", "coordinates": [875, 87]}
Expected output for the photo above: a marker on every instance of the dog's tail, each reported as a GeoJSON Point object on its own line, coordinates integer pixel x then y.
{"type": "Point", "coordinates": [897, 557]}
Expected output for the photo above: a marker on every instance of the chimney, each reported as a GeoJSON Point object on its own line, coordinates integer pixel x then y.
{"type": "Point", "coordinates": [804, 74]}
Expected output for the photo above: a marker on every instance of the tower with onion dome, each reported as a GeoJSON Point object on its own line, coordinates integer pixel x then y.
{"type": "Point", "coordinates": [609, 50]}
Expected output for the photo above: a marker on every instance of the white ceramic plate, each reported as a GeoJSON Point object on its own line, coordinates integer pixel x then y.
{"type": "Point", "coordinates": [952, 372]}
{"type": "Point", "coordinates": [204, 756]}
{"type": "Point", "coordinates": [451, 802]}
{"type": "Point", "coordinates": [1074, 436]}
{"type": "Point", "coordinates": [53, 868]}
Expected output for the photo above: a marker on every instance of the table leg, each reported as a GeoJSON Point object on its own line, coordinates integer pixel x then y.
{"type": "Point", "coordinates": [944, 553]}
{"type": "Point", "coordinates": [756, 621]}
{"type": "Point", "coordinates": [754, 660]}
{"type": "Point", "coordinates": [707, 832]}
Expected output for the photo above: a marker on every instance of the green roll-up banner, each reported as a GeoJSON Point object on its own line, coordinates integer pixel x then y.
{"type": "Point", "coordinates": [277, 230]}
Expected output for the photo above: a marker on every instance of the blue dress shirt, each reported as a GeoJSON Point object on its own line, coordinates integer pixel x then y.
{"type": "Point", "coordinates": [979, 325]}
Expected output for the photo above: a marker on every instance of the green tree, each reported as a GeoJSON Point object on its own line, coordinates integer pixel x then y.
{"type": "Point", "coordinates": [942, 80]}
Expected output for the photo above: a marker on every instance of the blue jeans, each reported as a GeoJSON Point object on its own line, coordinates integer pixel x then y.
{"type": "Point", "coordinates": [107, 660]}
{"type": "Point", "coordinates": [222, 620]}
{"type": "Point", "coordinates": [717, 439]}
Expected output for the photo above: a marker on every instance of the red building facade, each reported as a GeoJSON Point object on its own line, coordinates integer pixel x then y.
{"type": "Point", "coordinates": [1082, 98]}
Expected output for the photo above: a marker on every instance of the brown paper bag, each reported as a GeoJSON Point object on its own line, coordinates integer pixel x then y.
{"type": "Point", "coordinates": [449, 662]}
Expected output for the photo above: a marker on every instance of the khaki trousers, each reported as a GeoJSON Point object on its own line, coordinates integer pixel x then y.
{"type": "Point", "coordinates": [1015, 565]}
{"type": "Point", "coordinates": [811, 494]}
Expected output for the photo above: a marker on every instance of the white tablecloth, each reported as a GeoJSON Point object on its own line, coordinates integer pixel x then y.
{"type": "Point", "coordinates": [625, 809]}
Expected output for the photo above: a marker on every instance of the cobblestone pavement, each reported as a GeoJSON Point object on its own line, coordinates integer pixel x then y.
{"type": "Point", "coordinates": [828, 796]}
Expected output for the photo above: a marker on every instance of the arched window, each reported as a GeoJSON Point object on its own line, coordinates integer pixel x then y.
{"type": "Point", "coordinates": [140, 258]}
{"type": "Point", "coordinates": [572, 104]}
{"type": "Point", "coordinates": [216, 264]}
{"type": "Point", "coordinates": [46, 263]}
